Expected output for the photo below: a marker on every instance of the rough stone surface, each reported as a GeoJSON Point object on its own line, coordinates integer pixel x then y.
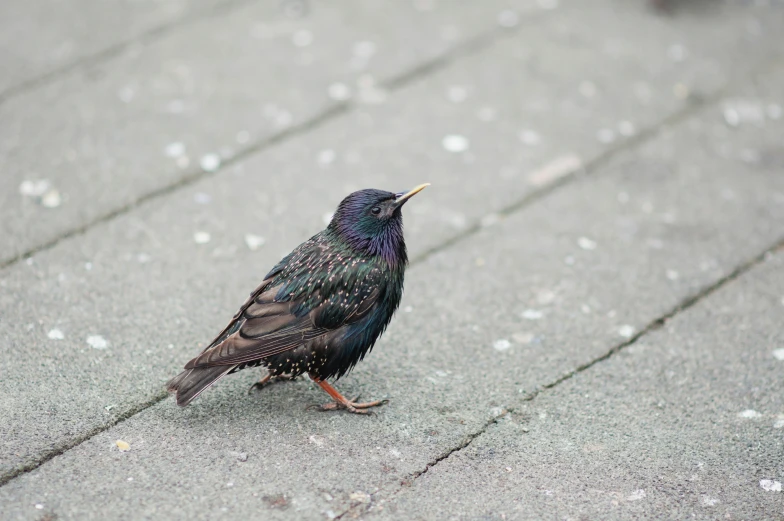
{"type": "Point", "coordinates": [39, 38]}
{"type": "Point", "coordinates": [585, 184]}
{"type": "Point", "coordinates": [436, 360]}
{"type": "Point", "coordinates": [105, 136]}
{"type": "Point", "coordinates": [556, 86]}
{"type": "Point", "coordinates": [683, 424]}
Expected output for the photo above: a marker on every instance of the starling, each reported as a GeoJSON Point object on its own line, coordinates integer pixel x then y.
{"type": "Point", "coordinates": [321, 308]}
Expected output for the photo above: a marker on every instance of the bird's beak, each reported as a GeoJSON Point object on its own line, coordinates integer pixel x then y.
{"type": "Point", "coordinates": [402, 197]}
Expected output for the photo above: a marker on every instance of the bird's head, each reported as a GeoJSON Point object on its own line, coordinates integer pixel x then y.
{"type": "Point", "coordinates": [370, 221]}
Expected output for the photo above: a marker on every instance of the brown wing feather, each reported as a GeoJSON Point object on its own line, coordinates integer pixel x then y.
{"type": "Point", "coordinates": [264, 327]}
{"type": "Point", "coordinates": [267, 329]}
{"type": "Point", "coordinates": [262, 289]}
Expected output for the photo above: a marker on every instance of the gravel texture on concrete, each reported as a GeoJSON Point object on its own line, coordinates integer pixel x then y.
{"type": "Point", "coordinates": [132, 284]}
{"type": "Point", "coordinates": [586, 185]}
{"type": "Point", "coordinates": [685, 423]}
{"type": "Point", "coordinates": [165, 113]}
{"type": "Point", "coordinates": [162, 113]}
{"type": "Point", "coordinates": [537, 297]}
{"type": "Point", "coordinates": [40, 39]}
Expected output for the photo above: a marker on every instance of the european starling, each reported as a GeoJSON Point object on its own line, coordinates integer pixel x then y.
{"type": "Point", "coordinates": [321, 308]}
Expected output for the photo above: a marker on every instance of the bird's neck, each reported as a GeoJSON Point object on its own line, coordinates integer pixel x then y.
{"type": "Point", "coordinates": [387, 245]}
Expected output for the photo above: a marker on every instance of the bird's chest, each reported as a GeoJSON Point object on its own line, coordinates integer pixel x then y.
{"type": "Point", "coordinates": [336, 352]}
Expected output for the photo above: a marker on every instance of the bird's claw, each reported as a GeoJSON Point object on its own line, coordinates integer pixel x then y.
{"type": "Point", "coordinates": [258, 386]}
{"type": "Point", "coordinates": [351, 406]}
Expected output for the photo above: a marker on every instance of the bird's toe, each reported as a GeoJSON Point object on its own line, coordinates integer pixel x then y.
{"type": "Point", "coordinates": [352, 406]}
{"type": "Point", "coordinates": [369, 404]}
{"type": "Point", "coordinates": [258, 386]}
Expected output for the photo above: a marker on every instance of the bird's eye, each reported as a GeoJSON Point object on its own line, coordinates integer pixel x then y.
{"type": "Point", "coordinates": [375, 210]}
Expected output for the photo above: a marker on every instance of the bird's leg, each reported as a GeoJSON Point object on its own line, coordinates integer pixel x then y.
{"type": "Point", "coordinates": [341, 402]}
{"type": "Point", "coordinates": [268, 379]}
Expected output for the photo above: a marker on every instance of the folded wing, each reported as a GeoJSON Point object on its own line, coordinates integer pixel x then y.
{"type": "Point", "coordinates": [277, 319]}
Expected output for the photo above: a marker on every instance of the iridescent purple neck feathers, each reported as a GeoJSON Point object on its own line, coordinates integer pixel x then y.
{"type": "Point", "coordinates": [369, 222]}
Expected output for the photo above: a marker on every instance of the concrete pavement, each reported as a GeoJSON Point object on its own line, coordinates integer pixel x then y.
{"type": "Point", "coordinates": [586, 185]}
{"type": "Point", "coordinates": [684, 423]}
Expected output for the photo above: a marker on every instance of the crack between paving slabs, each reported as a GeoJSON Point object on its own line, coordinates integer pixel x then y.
{"type": "Point", "coordinates": [531, 198]}
{"type": "Point", "coordinates": [639, 139]}
{"type": "Point", "coordinates": [473, 45]}
{"type": "Point", "coordinates": [461, 50]}
{"type": "Point", "coordinates": [64, 446]}
{"type": "Point", "coordinates": [146, 37]}
{"type": "Point", "coordinates": [683, 305]}
{"type": "Point", "coordinates": [642, 137]}
{"type": "Point", "coordinates": [646, 134]}
{"type": "Point", "coordinates": [589, 168]}
{"type": "Point", "coordinates": [466, 48]}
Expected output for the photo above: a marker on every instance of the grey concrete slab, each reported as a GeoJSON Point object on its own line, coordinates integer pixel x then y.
{"type": "Point", "coordinates": [388, 145]}
{"type": "Point", "coordinates": [103, 136]}
{"type": "Point", "coordinates": [558, 94]}
{"type": "Point", "coordinates": [561, 281]}
{"type": "Point", "coordinates": [39, 38]}
{"type": "Point", "coordinates": [114, 151]}
{"type": "Point", "coordinates": [683, 424]}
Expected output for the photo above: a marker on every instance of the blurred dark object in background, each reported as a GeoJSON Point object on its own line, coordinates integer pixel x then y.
{"type": "Point", "coordinates": [671, 6]}
{"type": "Point", "coordinates": [661, 6]}
{"type": "Point", "coordinates": [294, 8]}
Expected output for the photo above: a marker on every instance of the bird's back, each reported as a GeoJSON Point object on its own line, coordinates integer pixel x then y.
{"type": "Point", "coordinates": [319, 310]}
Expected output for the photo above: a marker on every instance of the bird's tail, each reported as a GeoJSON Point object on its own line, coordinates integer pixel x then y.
{"type": "Point", "coordinates": [190, 383]}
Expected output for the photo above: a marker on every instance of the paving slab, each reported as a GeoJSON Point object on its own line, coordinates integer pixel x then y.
{"type": "Point", "coordinates": [686, 423]}
{"type": "Point", "coordinates": [104, 153]}
{"type": "Point", "coordinates": [160, 113]}
{"type": "Point", "coordinates": [536, 107]}
{"type": "Point", "coordinates": [539, 293]}
{"type": "Point", "coordinates": [37, 39]}
{"type": "Point", "coordinates": [129, 282]}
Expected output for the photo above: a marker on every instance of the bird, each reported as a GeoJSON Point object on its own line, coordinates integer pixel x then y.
{"type": "Point", "coordinates": [319, 310]}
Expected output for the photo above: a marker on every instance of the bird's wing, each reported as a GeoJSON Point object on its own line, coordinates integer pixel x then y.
{"type": "Point", "coordinates": [237, 319]}
{"type": "Point", "coordinates": [317, 291]}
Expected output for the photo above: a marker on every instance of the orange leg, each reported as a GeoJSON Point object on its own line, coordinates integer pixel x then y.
{"type": "Point", "coordinates": [341, 402]}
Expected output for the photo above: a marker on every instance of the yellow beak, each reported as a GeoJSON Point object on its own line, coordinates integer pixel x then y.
{"type": "Point", "coordinates": [402, 197]}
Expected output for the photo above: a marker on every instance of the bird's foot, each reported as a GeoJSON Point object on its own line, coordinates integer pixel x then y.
{"type": "Point", "coordinates": [352, 406]}
{"type": "Point", "coordinates": [341, 402]}
{"type": "Point", "coordinates": [269, 379]}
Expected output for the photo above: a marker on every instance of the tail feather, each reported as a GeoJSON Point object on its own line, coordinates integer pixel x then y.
{"type": "Point", "coordinates": [190, 383]}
